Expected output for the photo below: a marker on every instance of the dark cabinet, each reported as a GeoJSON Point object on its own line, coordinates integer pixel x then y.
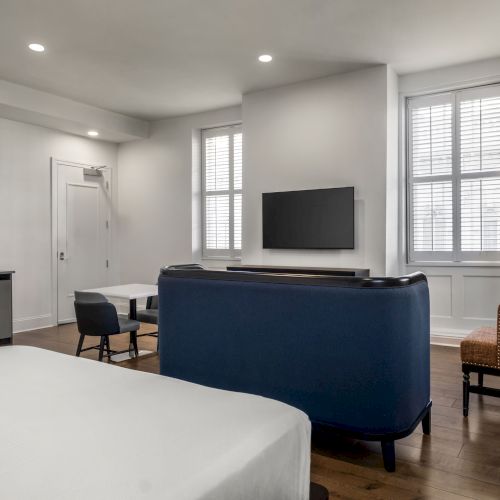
{"type": "Point", "coordinates": [6, 306]}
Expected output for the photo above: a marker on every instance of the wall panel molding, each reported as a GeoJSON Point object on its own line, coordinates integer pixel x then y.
{"type": "Point", "coordinates": [33, 322]}
{"type": "Point", "coordinates": [473, 294]}
{"type": "Point", "coordinates": [481, 297]}
{"type": "Point", "coordinates": [441, 295]}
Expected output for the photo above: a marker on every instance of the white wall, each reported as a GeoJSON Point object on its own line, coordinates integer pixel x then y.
{"type": "Point", "coordinates": [159, 195]}
{"type": "Point", "coordinates": [25, 210]}
{"type": "Point", "coordinates": [330, 132]}
{"type": "Point", "coordinates": [392, 248]}
{"type": "Point", "coordinates": [327, 132]}
{"type": "Point", "coordinates": [462, 297]}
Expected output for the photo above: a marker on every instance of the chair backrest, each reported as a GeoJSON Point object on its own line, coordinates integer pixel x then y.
{"type": "Point", "coordinates": [89, 297]}
{"type": "Point", "coordinates": [152, 302]}
{"type": "Point", "coordinates": [178, 267]}
{"type": "Point", "coordinates": [95, 315]}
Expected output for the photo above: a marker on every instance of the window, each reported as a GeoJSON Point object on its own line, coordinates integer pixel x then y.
{"type": "Point", "coordinates": [221, 187]}
{"type": "Point", "coordinates": [454, 176]}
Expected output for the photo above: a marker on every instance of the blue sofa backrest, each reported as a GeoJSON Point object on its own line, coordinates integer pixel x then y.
{"type": "Point", "coordinates": [352, 353]}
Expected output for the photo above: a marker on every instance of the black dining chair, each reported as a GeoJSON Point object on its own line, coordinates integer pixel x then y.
{"type": "Point", "coordinates": [150, 316]}
{"type": "Point", "coordinates": [97, 317]}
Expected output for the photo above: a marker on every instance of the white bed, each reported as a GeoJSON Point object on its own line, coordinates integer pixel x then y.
{"type": "Point", "coordinates": [72, 429]}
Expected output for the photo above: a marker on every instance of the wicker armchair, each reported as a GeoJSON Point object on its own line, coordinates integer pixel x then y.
{"type": "Point", "coordinates": [480, 353]}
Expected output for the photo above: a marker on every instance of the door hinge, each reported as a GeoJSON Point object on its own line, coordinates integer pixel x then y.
{"type": "Point", "coordinates": [107, 224]}
{"type": "Point", "coordinates": [107, 263]}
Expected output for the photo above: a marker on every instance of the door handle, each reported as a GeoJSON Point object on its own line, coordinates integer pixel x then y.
{"type": "Point", "coordinates": [61, 255]}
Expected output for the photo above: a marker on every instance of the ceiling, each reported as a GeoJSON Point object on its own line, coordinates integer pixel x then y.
{"type": "Point", "coordinates": [158, 58]}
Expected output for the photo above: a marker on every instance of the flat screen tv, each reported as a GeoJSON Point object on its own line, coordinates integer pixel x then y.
{"type": "Point", "coordinates": [312, 219]}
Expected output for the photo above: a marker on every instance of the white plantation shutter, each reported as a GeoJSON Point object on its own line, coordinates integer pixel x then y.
{"type": "Point", "coordinates": [221, 187]}
{"type": "Point", "coordinates": [430, 174]}
{"type": "Point", "coordinates": [217, 222]}
{"type": "Point", "coordinates": [433, 217]}
{"type": "Point", "coordinates": [431, 139]}
{"type": "Point", "coordinates": [479, 134]}
{"type": "Point", "coordinates": [237, 221]}
{"type": "Point", "coordinates": [454, 175]}
{"type": "Point", "coordinates": [479, 139]}
{"type": "Point", "coordinates": [480, 219]}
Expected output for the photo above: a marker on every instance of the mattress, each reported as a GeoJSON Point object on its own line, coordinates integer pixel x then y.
{"type": "Point", "coordinates": [73, 428]}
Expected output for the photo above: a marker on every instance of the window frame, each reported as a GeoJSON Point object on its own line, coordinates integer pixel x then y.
{"type": "Point", "coordinates": [219, 254]}
{"type": "Point", "coordinates": [456, 256]}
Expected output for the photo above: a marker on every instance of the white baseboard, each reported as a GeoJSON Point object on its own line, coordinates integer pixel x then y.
{"type": "Point", "coordinates": [29, 323]}
{"type": "Point", "coordinates": [447, 337]}
{"type": "Point", "coordinates": [439, 336]}
{"type": "Point", "coordinates": [32, 323]}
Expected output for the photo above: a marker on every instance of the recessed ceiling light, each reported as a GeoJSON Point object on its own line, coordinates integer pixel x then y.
{"type": "Point", "coordinates": [93, 133]}
{"type": "Point", "coordinates": [36, 47]}
{"type": "Point", "coordinates": [265, 58]}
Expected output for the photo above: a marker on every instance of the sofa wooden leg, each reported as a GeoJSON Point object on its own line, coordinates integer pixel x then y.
{"type": "Point", "coordinates": [466, 385]}
{"type": "Point", "coordinates": [426, 423]}
{"type": "Point", "coordinates": [318, 492]}
{"type": "Point", "coordinates": [480, 379]}
{"type": "Point", "coordinates": [389, 455]}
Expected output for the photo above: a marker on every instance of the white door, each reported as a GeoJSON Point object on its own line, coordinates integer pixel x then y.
{"type": "Point", "coordinates": [83, 233]}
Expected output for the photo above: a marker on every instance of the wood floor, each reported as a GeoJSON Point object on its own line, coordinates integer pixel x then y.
{"type": "Point", "coordinates": [461, 458]}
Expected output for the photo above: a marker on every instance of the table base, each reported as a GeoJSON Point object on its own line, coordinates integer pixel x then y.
{"type": "Point", "coordinates": [125, 356]}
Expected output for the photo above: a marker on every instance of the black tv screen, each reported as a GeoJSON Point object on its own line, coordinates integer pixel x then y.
{"type": "Point", "coordinates": [313, 219]}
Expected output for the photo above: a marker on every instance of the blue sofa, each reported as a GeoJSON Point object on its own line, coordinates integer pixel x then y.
{"type": "Point", "coordinates": [352, 353]}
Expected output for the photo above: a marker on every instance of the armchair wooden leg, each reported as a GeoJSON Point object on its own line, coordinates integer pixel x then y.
{"type": "Point", "coordinates": [80, 344]}
{"type": "Point", "coordinates": [389, 455]}
{"type": "Point", "coordinates": [101, 347]}
{"type": "Point", "coordinates": [466, 387]}
{"type": "Point", "coordinates": [480, 379]}
{"type": "Point", "coordinates": [426, 423]}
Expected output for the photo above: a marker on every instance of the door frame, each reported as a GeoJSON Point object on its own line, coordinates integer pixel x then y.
{"type": "Point", "coordinates": [54, 175]}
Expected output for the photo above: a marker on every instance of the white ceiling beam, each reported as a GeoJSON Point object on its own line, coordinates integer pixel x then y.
{"type": "Point", "coordinates": [28, 105]}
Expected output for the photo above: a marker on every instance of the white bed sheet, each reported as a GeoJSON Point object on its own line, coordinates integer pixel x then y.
{"type": "Point", "coordinates": [72, 428]}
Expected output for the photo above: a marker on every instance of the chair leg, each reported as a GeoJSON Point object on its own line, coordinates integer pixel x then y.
{"type": "Point", "coordinates": [133, 341]}
{"type": "Point", "coordinates": [389, 455]}
{"type": "Point", "coordinates": [426, 423]}
{"type": "Point", "coordinates": [108, 347]}
{"type": "Point", "coordinates": [80, 344]}
{"type": "Point", "coordinates": [480, 379]}
{"type": "Point", "coordinates": [101, 347]}
{"type": "Point", "coordinates": [466, 386]}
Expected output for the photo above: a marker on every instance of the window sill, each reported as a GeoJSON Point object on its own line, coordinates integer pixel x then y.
{"type": "Point", "coordinates": [436, 263]}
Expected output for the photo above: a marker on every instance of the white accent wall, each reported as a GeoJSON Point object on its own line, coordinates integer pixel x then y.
{"type": "Point", "coordinates": [159, 195]}
{"type": "Point", "coordinates": [25, 211]}
{"type": "Point", "coordinates": [331, 132]}
{"type": "Point", "coordinates": [335, 131]}
{"type": "Point", "coordinates": [462, 297]}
